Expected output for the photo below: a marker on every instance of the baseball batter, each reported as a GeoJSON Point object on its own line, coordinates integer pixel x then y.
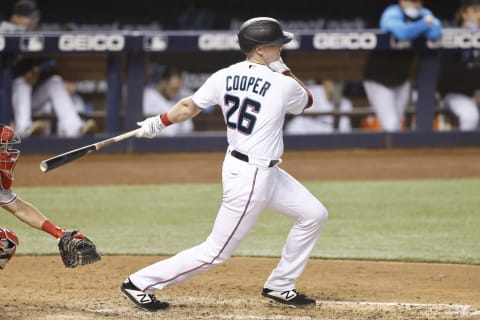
{"type": "Point", "coordinates": [254, 96]}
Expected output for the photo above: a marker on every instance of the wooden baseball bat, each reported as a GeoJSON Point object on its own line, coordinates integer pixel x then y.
{"type": "Point", "coordinates": [61, 159]}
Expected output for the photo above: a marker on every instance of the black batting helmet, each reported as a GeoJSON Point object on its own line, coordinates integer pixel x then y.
{"type": "Point", "coordinates": [261, 31]}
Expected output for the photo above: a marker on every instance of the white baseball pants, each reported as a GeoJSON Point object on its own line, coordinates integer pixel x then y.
{"type": "Point", "coordinates": [247, 190]}
{"type": "Point", "coordinates": [465, 108]}
{"type": "Point", "coordinates": [25, 102]}
{"type": "Point", "coordinates": [389, 103]}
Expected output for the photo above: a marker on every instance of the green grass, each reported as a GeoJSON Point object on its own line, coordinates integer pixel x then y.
{"type": "Point", "coordinates": [421, 220]}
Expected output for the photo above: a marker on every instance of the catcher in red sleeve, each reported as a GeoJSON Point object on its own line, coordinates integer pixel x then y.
{"type": "Point", "coordinates": [75, 248]}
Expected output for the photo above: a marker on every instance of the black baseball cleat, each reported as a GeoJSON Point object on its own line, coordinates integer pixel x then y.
{"type": "Point", "coordinates": [144, 301]}
{"type": "Point", "coordinates": [290, 297]}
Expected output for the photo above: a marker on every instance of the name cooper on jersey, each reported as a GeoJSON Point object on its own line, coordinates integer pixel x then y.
{"type": "Point", "coordinates": [245, 83]}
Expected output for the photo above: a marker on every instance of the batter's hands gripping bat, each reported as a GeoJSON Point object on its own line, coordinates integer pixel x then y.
{"type": "Point", "coordinates": [71, 155]}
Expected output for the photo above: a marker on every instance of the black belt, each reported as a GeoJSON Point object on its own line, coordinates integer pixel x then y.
{"type": "Point", "coordinates": [244, 157]}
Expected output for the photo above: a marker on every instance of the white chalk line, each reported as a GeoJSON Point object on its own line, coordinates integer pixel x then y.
{"type": "Point", "coordinates": [462, 310]}
{"type": "Point", "coordinates": [458, 310]}
{"type": "Point", "coordinates": [252, 317]}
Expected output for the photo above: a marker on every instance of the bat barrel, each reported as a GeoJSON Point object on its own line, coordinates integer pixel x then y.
{"type": "Point", "coordinates": [64, 158]}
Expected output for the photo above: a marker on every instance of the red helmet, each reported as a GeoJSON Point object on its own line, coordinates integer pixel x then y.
{"type": "Point", "coordinates": [8, 245]}
{"type": "Point", "coordinates": [8, 135]}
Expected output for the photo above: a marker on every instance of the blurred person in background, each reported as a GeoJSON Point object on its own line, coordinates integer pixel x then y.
{"type": "Point", "coordinates": [327, 97]}
{"type": "Point", "coordinates": [460, 72]}
{"type": "Point", "coordinates": [387, 73]}
{"type": "Point", "coordinates": [36, 88]}
{"type": "Point", "coordinates": [166, 88]}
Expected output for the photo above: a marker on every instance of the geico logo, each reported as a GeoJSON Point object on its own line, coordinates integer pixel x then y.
{"type": "Point", "coordinates": [461, 40]}
{"type": "Point", "coordinates": [2, 43]}
{"type": "Point", "coordinates": [345, 40]}
{"type": "Point", "coordinates": [99, 42]}
{"type": "Point", "coordinates": [215, 41]}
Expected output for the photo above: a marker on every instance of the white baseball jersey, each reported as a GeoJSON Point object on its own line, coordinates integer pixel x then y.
{"type": "Point", "coordinates": [254, 101]}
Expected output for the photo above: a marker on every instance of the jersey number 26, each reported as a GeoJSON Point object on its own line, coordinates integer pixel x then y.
{"type": "Point", "coordinates": [245, 111]}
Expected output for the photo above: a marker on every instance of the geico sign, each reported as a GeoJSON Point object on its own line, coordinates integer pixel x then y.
{"type": "Point", "coordinates": [456, 39]}
{"type": "Point", "coordinates": [98, 42]}
{"type": "Point", "coordinates": [2, 43]}
{"type": "Point", "coordinates": [217, 41]}
{"type": "Point", "coordinates": [351, 40]}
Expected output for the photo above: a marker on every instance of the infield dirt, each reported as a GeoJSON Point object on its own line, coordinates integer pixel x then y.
{"type": "Point", "coordinates": [41, 288]}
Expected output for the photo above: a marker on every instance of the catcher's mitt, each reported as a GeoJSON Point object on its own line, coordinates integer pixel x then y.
{"type": "Point", "coordinates": [77, 250]}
